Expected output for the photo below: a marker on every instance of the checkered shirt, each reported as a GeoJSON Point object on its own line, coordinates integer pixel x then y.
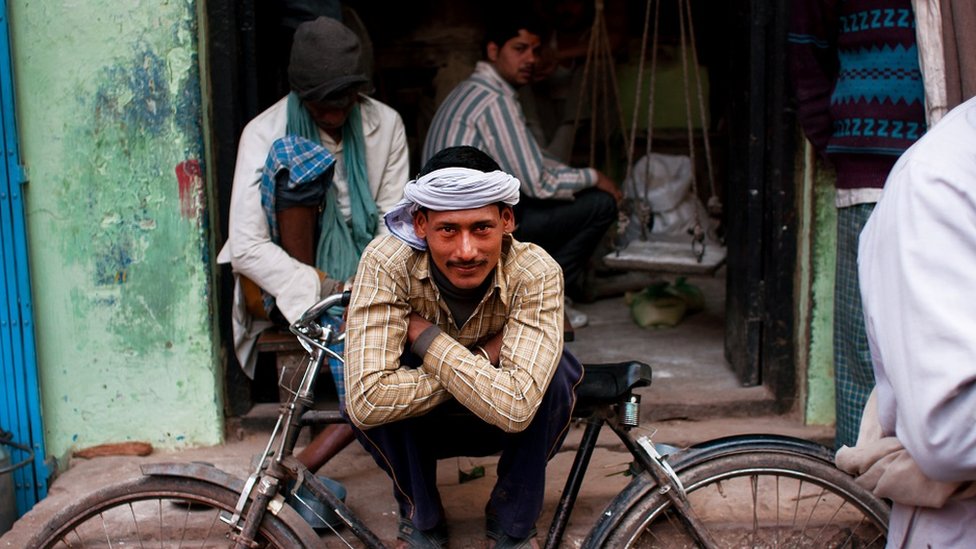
{"type": "Point", "coordinates": [525, 303]}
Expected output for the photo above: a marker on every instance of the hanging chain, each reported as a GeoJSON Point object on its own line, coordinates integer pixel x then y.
{"type": "Point", "coordinates": [599, 59]}
{"type": "Point", "coordinates": [714, 202]}
{"type": "Point", "coordinates": [601, 87]}
{"type": "Point", "coordinates": [696, 232]}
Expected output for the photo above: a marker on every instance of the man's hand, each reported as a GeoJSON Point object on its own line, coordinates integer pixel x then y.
{"type": "Point", "coordinates": [606, 185]}
{"type": "Point", "coordinates": [416, 327]}
{"type": "Point", "coordinates": [493, 346]}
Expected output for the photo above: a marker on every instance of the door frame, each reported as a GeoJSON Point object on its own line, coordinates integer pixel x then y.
{"type": "Point", "coordinates": [760, 303]}
{"type": "Point", "coordinates": [760, 201]}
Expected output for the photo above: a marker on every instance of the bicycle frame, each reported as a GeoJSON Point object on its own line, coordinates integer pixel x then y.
{"type": "Point", "coordinates": [646, 457]}
{"type": "Point", "coordinates": [263, 486]}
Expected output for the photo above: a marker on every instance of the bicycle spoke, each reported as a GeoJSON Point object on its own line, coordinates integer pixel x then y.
{"type": "Point", "coordinates": [210, 529]}
{"type": "Point", "coordinates": [850, 535]}
{"type": "Point", "coordinates": [833, 516]}
{"type": "Point", "coordinates": [135, 521]}
{"type": "Point", "coordinates": [776, 540]}
{"type": "Point", "coordinates": [186, 521]}
{"type": "Point", "coordinates": [754, 486]}
{"type": "Point", "coordinates": [816, 503]}
{"type": "Point", "coordinates": [796, 505]}
{"type": "Point", "coordinates": [108, 539]}
{"type": "Point", "coordinates": [159, 507]}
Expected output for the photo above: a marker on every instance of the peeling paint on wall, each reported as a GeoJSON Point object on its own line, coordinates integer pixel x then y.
{"type": "Point", "coordinates": [129, 234]}
{"type": "Point", "coordinates": [190, 180]}
{"type": "Point", "coordinates": [131, 95]}
{"type": "Point", "coordinates": [111, 123]}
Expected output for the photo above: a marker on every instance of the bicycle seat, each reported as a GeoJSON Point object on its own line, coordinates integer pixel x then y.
{"type": "Point", "coordinates": [607, 383]}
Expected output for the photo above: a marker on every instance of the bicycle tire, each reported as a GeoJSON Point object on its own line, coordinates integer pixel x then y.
{"type": "Point", "coordinates": [163, 512]}
{"type": "Point", "coordinates": [754, 498]}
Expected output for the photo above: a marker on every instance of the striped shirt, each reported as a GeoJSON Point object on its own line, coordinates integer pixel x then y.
{"type": "Point", "coordinates": [483, 111]}
{"type": "Point", "coordinates": [524, 303]}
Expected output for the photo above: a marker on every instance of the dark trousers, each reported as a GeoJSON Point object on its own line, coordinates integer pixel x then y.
{"type": "Point", "coordinates": [408, 451]}
{"type": "Point", "coordinates": [568, 230]}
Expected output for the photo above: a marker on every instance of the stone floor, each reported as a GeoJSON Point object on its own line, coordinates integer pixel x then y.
{"type": "Point", "coordinates": [692, 379]}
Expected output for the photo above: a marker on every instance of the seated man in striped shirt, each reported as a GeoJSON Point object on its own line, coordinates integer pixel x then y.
{"type": "Point", "coordinates": [454, 346]}
{"type": "Point", "coordinates": [565, 210]}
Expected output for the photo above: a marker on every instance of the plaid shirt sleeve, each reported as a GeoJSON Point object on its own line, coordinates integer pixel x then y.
{"type": "Point", "coordinates": [532, 343]}
{"type": "Point", "coordinates": [379, 389]}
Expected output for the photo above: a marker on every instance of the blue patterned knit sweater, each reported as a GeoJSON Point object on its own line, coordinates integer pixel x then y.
{"type": "Point", "coordinates": [859, 89]}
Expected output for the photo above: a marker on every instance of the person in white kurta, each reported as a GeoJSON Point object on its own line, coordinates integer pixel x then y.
{"type": "Point", "coordinates": [295, 285]}
{"type": "Point", "coordinates": [917, 268]}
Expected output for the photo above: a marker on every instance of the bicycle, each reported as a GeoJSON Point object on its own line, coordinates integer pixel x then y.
{"type": "Point", "coordinates": [755, 490]}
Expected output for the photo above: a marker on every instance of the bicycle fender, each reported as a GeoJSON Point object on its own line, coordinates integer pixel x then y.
{"type": "Point", "coordinates": [212, 475]}
{"type": "Point", "coordinates": [196, 471]}
{"type": "Point", "coordinates": [737, 444]}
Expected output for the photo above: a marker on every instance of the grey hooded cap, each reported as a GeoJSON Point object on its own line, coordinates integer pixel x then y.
{"type": "Point", "coordinates": [325, 58]}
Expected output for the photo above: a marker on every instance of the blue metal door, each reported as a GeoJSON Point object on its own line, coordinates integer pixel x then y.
{"type": "Point", "coordinates": [20, 408]}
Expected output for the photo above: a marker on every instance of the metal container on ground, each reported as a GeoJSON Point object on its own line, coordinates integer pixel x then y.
{"type": "Point", "coordinates": [8, 501]}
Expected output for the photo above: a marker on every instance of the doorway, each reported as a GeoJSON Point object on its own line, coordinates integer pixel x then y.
{"type": "Point", "coordinates": [422, 48]}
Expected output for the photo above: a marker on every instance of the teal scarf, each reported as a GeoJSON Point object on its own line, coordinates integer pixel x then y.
{"type": "Point", "coordinates": [340, 244]}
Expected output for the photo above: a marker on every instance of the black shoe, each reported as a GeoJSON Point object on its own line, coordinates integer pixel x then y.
{"type": "Point", "coordinates": [435, 538]}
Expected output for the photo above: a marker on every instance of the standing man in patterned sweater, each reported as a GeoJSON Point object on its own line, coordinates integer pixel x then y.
{"type": "Point", "coordinates": [565, 210]}
{"type": "Point", "coordinates": [860, 102]}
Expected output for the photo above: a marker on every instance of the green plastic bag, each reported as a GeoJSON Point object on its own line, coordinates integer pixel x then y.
{"type": "Point", "coordinates": [692, 295]}
{"type": "Point", "coordinates": [664, 305]}
{"type": "Point", "coordinates": [657, 307]}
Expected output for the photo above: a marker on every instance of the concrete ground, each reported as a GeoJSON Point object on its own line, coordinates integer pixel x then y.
{"type": "Point", "coordinates": [694, 397]}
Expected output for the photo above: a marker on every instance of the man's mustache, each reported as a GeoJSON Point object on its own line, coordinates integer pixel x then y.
{"type": "Point", "coordinates": [466, 264]}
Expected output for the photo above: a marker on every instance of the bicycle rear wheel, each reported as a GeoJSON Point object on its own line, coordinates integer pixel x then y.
{"type": "Point", "coordinates": [163, 512]}
{"type": "Point", "coordinates": [754, 499]}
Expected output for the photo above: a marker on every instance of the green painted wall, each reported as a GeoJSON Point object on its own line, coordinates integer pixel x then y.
{"type": "Point", "coordinates": [820, 368]}
{"type": "Point", "coordinates": [816, 261]}
{"type": "Point", "coordinates": [110, 116]}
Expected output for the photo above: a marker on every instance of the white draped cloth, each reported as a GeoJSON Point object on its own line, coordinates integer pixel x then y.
{"type": "Point", "coordinates": [448, 189]}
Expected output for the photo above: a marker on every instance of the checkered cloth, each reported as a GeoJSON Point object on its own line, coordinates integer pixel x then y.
{"type": "Point", "coordinates": [336, 367]}
{"type": "Point", "coordinates": [305, 161]}
{"type": "Point", "coordinates": [853, 373]}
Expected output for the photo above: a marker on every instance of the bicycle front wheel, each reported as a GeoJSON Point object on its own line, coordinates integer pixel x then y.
{"type": "Point", "coordinates": [755, 499]}
{"type": "Point", "coordinates": [162, 512]}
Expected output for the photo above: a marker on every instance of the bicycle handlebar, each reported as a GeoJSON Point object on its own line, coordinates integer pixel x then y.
{"type": "Point", "coordinates": [315, 311]}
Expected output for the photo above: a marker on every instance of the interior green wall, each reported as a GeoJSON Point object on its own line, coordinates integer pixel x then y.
{"type": "Point", "coordinates": [109, 114]}
{"type": "Point", "coordinates": [820, 372]}
{"type": "Point", "coordinates": [817, 263]}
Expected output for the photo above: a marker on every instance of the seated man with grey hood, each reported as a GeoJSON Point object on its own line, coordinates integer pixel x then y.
{"type": "Point", "coordinates": [315, 172]}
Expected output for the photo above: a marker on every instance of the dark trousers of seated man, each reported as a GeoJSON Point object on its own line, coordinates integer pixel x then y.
{"type": "Point", "coordinates": [569, 230]}
{"type": "Point", "coordinates": [408, 451]}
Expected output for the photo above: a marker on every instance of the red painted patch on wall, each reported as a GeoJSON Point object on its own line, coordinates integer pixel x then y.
{"type": "Point", "coordinates": [190, 180]}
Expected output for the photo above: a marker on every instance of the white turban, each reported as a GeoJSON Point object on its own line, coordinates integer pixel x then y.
{"type": "Point", "coordinates": [448, 189]}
